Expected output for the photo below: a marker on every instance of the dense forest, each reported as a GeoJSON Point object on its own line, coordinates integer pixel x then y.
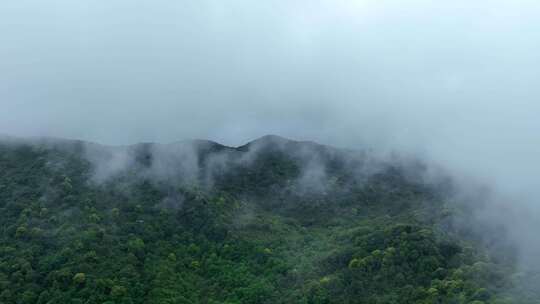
{"type": "Point", "coordinates": [273, 221]}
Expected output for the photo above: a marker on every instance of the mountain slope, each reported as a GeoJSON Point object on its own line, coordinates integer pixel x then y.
{"type": "Point", "coordinates": [273, 221]}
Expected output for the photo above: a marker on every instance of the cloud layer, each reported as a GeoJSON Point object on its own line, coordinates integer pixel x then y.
{"type": "Point", "coordinates": [453, 81]}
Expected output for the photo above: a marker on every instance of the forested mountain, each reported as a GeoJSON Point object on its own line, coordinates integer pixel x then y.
{"type": "Point", "coordinates": [273, 221]}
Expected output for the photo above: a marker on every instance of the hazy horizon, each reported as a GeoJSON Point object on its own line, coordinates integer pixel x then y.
{"type": "Point", "coordinates": [453, 82]}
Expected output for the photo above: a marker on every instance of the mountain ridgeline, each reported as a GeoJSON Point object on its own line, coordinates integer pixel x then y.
{"type": "Point", "coordinates": [273, 221]}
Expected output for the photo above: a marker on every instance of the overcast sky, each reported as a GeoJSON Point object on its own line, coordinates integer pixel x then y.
{"type": "Point", "coordinates": [457, 81]}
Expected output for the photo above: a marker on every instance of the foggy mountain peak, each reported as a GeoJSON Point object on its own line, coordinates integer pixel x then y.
{"type": "Point", "coordinates": [422, 117]}
{"type": "Point", "coordinates": [304, 186]}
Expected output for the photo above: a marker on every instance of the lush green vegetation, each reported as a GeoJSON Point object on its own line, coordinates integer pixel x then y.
{"type": "Point", "coordinates": [250, 238]}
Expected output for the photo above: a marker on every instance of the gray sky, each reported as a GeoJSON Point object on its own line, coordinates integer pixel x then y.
{"type": "Point", "coordinates": [457, 81]}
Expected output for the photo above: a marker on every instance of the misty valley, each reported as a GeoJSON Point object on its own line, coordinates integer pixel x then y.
{"type": "Point", "coordinates": [272, 221]}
